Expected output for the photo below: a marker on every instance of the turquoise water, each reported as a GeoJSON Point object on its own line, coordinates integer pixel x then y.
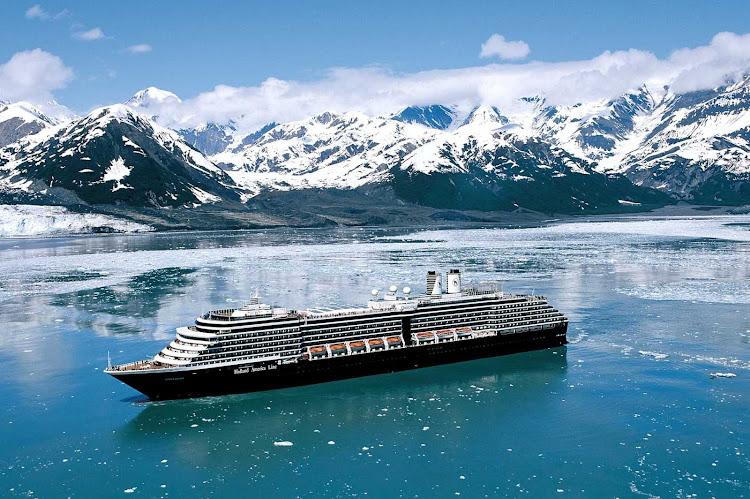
{"type": "Point", "coordinates": [628, 408]}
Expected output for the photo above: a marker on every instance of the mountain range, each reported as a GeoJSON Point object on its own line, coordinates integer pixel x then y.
{"type": "Point", "coordinates": [646, 148]}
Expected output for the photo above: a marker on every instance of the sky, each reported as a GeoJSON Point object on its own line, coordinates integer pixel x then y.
{"type": "Point", "coordinates": [270, 60]}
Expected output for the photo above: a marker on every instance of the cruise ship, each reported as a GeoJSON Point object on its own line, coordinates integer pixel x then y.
{"type": "Point", "coordinates": [259, 347]}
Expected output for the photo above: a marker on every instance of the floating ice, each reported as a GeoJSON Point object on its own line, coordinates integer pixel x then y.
{"type": "Point", "coordinates": [655, 355]}
{"type": "Point", "coordinates": [723, 375]}
{"type": "Point", "coordinates": [130, 491]}
{"type": "Point", "coordinates": [283, 443]}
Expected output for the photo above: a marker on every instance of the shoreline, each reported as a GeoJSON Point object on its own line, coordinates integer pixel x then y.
{"type": "Point", "coordinates": [108, 219]}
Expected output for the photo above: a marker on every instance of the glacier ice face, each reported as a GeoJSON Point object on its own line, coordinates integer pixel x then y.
{"type": "Point", "coordinates": [30, 220]}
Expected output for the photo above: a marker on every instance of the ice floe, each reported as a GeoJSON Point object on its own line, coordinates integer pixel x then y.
{"type": "Point", "coordinates": [655, 355]}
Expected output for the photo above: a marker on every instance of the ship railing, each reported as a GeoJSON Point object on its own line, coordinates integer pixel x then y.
{"type": "Point", "coordinates": [139, 365]}
{"type": "Point", "coordinates": [315, 315]}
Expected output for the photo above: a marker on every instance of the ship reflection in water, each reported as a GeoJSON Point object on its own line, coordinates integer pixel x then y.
{"type": "Point", "coordinates": [478, 399]}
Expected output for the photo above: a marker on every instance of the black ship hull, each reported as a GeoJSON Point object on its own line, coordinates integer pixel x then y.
{"type": "Point", "coordinates": [173, 384]}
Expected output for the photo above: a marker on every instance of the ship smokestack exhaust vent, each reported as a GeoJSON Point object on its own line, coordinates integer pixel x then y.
{"type": "Point", "coordinates": [434, 283]}
{"type": "Point", "coordinates": [454, 281]}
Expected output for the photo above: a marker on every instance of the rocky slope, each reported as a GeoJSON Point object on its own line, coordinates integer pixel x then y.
{"type": "Point", "coordinates": [114, 156]}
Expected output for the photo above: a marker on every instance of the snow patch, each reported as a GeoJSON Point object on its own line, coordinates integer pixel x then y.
{"type": "Point", "coordinates": [116, 171]}
{"type": "Point", "coordinates": [203, 196]}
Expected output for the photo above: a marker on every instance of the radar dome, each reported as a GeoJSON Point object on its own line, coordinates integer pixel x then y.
{"type": "Point", "coordinates": [407, 290]}
{"type": "Point", "coordinates": [393, 289]}
{"type": "Point", "coordinates": [374, 292]}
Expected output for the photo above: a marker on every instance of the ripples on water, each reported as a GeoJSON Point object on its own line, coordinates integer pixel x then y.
{"type": "Point", "coordinates": [627, 408]}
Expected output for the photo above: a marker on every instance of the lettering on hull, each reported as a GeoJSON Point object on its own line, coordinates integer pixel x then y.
{"type": "Point", "coordinates": [245, 370]}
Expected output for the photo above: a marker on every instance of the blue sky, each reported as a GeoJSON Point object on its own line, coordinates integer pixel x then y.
{"type": "Point", "coordinates": [195, 45]}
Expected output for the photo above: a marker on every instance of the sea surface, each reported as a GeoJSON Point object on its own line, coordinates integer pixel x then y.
{"type": "Point", "coordinates": [628, 408]}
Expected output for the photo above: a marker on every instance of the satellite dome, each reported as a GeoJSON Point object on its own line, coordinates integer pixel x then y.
{"type": "Point", "coordinates": [393, 289]}
{"type": "Point", "coordinates": [407, 290]}
{"type": "Point", "coordinates": [374, 292]}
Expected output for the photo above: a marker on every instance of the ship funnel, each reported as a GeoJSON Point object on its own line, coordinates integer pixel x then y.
{"type": "Point", "coordinates": [454, 281]}
{"type": "Point", "coordinates": [434, 283]}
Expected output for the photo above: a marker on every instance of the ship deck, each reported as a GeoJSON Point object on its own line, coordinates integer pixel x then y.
{"type": "Point", "coordinates": [139, 365]}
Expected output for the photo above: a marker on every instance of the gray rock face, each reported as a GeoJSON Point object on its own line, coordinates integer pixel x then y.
{"type": "Point", "coordinates": [15, 129]}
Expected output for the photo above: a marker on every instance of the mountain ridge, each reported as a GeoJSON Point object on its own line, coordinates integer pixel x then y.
{"type": "Point", "coordinates": [644, 148]}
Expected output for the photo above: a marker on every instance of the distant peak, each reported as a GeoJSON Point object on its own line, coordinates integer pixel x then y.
{"type": "Point", "coordinates": [435, 116]}
{"type": "Point", "coordinates": [482, 115]}
{"type": "Point", "coordinates": [150, 96]}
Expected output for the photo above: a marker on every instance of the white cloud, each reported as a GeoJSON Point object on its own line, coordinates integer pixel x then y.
{"type": "Point", "coordinates": [33, 75]}
{"type": "Point", "coordinates": [497, 46]}
{"type": "Point", "coordinates": [377, 90]}
{"type": "Point", "coordinates": [36, 12]}
{"type": "Point", "coordinates": [141, 48]}
{"type": "Point", "coordinates": [90, 35]}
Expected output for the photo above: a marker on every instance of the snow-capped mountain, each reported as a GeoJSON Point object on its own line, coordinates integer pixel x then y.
{"type": "Point", "coordinates": [598, 130]}
{"type": "Point", "coordinates": [503, 172]}
{"type": "Point", "coordinates": [486, 117]}
{"type": "Point", "coordinates": [479, 165]}
{"type": "Point", "coordinates": [330, 150]}
{"type": "Point", "coordinates": [151, 98]}
{"type": "Point", "coordinates": [436, 116]}
{"type": "Point", "coordinates": [19, 120]}
{"type": "Point", "coordinates": [114, 156]}
{"type": "Point", "coordinates": [526, 153]}
{"type": "Point", "coordinates": [210, 138]}
{"type": "Point", "coordinates": [697, 146]}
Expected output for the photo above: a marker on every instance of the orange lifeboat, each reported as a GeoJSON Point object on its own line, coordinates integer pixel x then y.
{"type": "Point", "coordinates": [394, 341]}
{"type": "Point", "coordinates": [426, 336]}
{"type": "Point", "coordinates": [376, 343]}
{"type": "Point", "coordinates": [318, 351]}
{"type": "Point", "coordinates": [463, 331]}
{"type": "Point", "coordinates": [338, 348]}
{"type": "Point", "coordinates": [445, 333]}
{"type": "Point", "coordinates": [357, 346]}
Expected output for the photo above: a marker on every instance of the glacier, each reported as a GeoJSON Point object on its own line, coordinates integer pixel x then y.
{"type": "Point", "coordinates": [43, 221]}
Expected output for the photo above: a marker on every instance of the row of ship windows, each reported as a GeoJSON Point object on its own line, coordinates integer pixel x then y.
{"type": "Point", "coordinates": [247, 357]}
{"type": "Point", "coordinates": [349, 327]}
{"type": "Point", "coordinates": [256, 354]}
{"type": "Point", "coordinates": [536, 320]}
{"type": "Point", "coordinates": [483, 315]}
{"type": "Point", "coordinates": [242, 345]}
{"type": "Point", "coordinates": [256, 334]}
{"type": "Point", "coordinates": [359, 336]}
{"type": "Point", "coordinates": [377, 331]}
{"type": "Point", "coordinates": [225, 355]}
{"type": "Point", "coordinates": [492, 311]}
